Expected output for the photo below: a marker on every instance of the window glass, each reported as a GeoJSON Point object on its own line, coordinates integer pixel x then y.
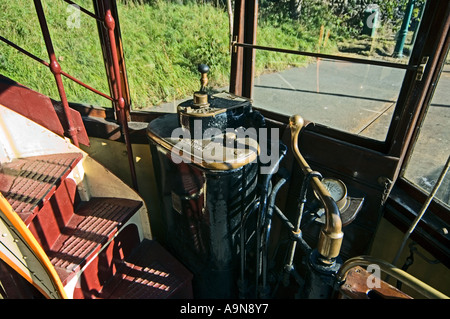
{"type": "Point", "coordinates": [431, 149]}
{"type": "Point", "coordinates": [352, 97]}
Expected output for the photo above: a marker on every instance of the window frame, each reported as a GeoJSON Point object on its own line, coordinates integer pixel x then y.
{"type": "Point", "coordinates": [414, 97]}
{"type": "Point", "coordinates": [244, 45]}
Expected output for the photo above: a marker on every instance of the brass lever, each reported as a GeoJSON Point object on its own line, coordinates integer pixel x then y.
{"type": "Point", "coordinates": [203, 69]}
{"type": "Point", "coordinates": [331, 235]}
{"type": "Point", "coordinates": [201, 97]}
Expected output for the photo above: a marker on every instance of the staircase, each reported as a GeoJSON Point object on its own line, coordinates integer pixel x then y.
{"type": "Point", "coordinates": [97, 242]}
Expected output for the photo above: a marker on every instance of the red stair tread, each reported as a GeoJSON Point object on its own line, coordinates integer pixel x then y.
{"type": "Point", "coordinates": [149, 273]}
{"type": "Point", "coordinates": [27, 183]}
{"type": "Point", "coordinates": [91, 227]}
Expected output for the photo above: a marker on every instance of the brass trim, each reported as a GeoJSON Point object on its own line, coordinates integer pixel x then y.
{"type": "Point", "coordinates": [200, 100]}
{"type": "Point", "coordinates": [205, 111]}
{"type": "Point", "coordinates": [191, 158]}
{"type": "Point", "coordinates": [199, 108]}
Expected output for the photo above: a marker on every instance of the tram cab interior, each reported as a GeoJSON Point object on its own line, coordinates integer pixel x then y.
{"type": "Point", "coordinates": [233, 193]}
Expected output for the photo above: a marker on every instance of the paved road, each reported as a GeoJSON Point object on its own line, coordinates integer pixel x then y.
{"type": "Point", "coordinates": [361, 99]}
{"type": "Point", "coordinates": [342, 95]}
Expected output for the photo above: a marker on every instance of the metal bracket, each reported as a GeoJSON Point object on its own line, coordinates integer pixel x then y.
{"type": "Point", "coordinates": [233, 44]}
{"type": "Point", "coordinates": [387, 184]}
{"type": "Point", "coordinates": [421, 68]}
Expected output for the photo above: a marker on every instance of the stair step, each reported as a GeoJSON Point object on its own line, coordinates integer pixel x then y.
{"type": "Point", "coordinates": [93, 224]}
{"type": "Point", "coordinates": [34, 186]}
{"type": "Point", "coordinates": [27, 183]}
{"type": "Point", "coordinates": [149, 273]}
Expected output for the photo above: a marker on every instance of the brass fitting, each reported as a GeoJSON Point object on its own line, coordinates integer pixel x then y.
{"type": "Point", "coordinates": [200, 100]}
{"type": "Point", "coordinates": [203, 69]}
{"type": "Point", "coordinates": [204, 81]}
{"type": "Point", "coordinates": [331, 235]}
{"type": "Point", "coordinates": [201, 97]}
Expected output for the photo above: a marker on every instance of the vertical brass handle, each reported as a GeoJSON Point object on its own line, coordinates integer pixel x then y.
{"type": "Point", "coordinates": [331, 235]}
{"type": "Point", "coordinates": [203, 69]}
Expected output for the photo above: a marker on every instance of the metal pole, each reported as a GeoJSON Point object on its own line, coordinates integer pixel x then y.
{"type": "Point", "coordinates": [423, 210]}
{"type": "Point", "coordinates": [416, 31]}
{"type": "Point", "coordinates": [110, 25]}
{"type": "Point", "coordinates": [398, 51]}
{"type": "Point", "coordinates": [297, 231]}
{"type": "Point", "coordinates": [328, 56]}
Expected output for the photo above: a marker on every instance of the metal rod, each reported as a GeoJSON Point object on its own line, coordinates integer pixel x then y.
{"type": "Point", "coordinates": [110, 25]}
{"type": "Point", "coordinates": [291, 227]}
{"type": "Point", "coordinates": [100, 10]}
{"type": "Point", "coordinates": [266, 233]}
{"type": "Point", "coordinates": [422, 211]}
{"type": "Point", "coordinates": [328, 56]}
{"type": "Point", "coordinates": [18, 48]}
{"type": "Point", "coordinates": [90, 88]}
{"type": "Point", "coordinates": [56, 70]}
{"type": "Point", "coordinates": [296, 231]}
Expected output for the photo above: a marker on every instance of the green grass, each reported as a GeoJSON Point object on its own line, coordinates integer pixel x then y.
{"type": "Point", "coordinates": [163, 45]}
{"type": "Point", "coordinates": [77, 50]}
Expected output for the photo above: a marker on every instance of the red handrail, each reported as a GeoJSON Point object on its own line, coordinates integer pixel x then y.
{"type": "Point", "coordinates": [110, 24]}
{"type": "Point", "coordinates": [56, 70]}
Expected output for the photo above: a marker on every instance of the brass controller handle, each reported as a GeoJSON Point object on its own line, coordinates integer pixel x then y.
{"type": "Point", "coordinates": [201, 97]}
{"type": "Point", "coordinates": [331, 235]}
{"type": "Point", "coordinates": [203, 69]}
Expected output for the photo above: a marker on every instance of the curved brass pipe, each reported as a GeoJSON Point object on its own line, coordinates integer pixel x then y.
{"type": "Point", "coordinates": [331, 235]}
{"type": "Point", "coordinates": [393, 271]}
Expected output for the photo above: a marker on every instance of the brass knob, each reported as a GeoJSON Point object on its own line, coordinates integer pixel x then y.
{"type": "Point", "coordinates": [296, 123]}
